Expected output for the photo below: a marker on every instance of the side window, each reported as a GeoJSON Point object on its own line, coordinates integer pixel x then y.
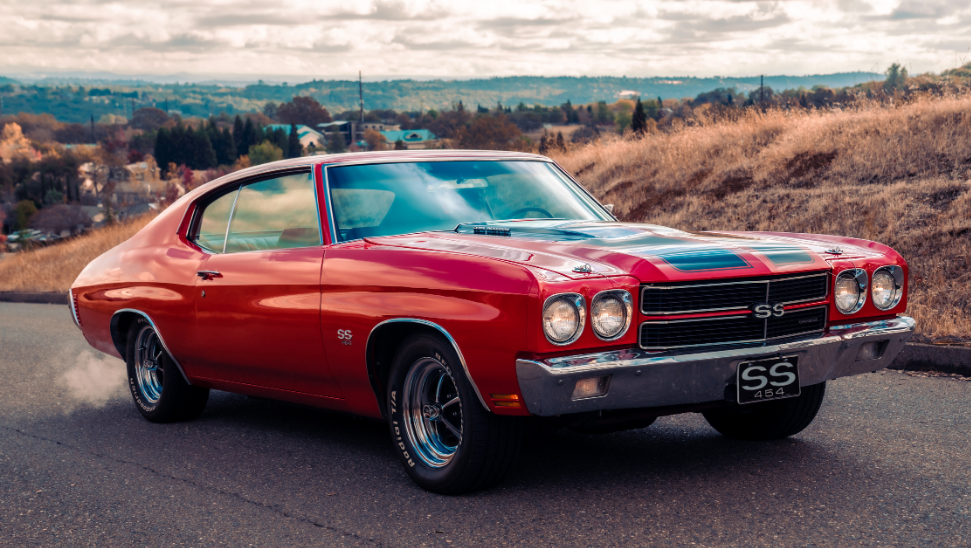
{"type": "Point", "coordinates": [276, 213]}
{"type": "Point", "coordinates": [211, 230]}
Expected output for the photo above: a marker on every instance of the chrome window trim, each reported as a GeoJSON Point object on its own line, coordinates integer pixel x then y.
{"type": "Point", "coordinates": [645, 287]}
{"type": "Point", "coordinates": [160, 338]}
{"type": "Point", "coordinates": [233, 178]}
{"type": "Point", "coordinates": [861, 279]}
{"type": "Point", "coordinates": [765, 338]}
{"type": "Point", "coordinates": [447, 335]}
{"type": "Point", "coordinates": [334, 236]}
{"type": "Point", "coordinates": [898, 277]}
{"type": "Point", "coordinates": [581, 305]}
{"type": "Point", "coordinates": [257, 178]}
{"type": "Point", "coordinates": [628, 301]}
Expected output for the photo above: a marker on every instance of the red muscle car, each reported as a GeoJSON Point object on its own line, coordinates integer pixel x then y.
{"type": "Point", "coordinates": [455, 294]}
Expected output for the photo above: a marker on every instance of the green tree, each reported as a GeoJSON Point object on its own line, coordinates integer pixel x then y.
{"type": "Point", "coordinates": [264, 153]}
{"type": "Point", "coordinates": [400, 144]}
{"type": "Point", "coordinates": [238, 134]}
{"type": "Point", "coordinates": [294, 150]}
{"type": "Point", "coordinates": [896, 78]}
{"type": "Point", "coordinates": [335, 142]}
{"type": "Point", "coordinates": [622, 121]}
{"type": "Point", "coordinates": [23, 211]}
{"type": "Point", "coordinates": [638, 122]}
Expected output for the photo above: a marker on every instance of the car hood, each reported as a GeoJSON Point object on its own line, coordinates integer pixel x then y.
{"type": "Point", "coordinates": [648, 252]}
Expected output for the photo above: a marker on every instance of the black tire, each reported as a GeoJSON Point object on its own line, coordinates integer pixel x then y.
{"type": "Point", "coordinates": [437, 459]}
{"type": "Point", "coordinates": [769, 420]}
{"type": "Point", "coordinates": [160, 394]}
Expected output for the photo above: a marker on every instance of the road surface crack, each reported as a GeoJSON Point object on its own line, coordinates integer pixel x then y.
{"type": "Point", "coordinates": [208, 488]}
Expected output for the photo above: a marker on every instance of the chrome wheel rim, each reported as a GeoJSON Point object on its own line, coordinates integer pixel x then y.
{"type": "Point", "coordinates": [432, 412]}
{"type": "Point", "coordinates": [148, 364]}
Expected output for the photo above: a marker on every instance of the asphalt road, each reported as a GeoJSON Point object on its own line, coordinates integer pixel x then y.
{"type": "Point", "coordinates": [887, 461]}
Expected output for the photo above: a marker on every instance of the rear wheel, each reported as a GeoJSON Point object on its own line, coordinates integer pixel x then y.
{"type": "Point", "coordinates": [155, 382]}
{"type": "Point", "coordinates": [770, 420]}
{"type": "Point", "coordinates": [447, 441]}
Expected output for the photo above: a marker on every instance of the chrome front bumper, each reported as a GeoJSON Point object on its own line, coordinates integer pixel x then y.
{"type": "Point", "coordinates": [640, 378]}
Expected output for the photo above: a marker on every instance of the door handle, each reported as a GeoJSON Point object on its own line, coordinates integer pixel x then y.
{"type": "Point", "coordinates": [208, 274]}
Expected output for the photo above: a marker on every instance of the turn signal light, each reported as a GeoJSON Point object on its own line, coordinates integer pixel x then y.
{"type": "Point", "coordinates": [591, 387]}
{"type": "Point", "coordinates": [506, 400]}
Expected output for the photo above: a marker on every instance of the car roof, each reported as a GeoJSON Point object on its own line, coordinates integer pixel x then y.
{"type": "Point", "coordinates": [363, 157]}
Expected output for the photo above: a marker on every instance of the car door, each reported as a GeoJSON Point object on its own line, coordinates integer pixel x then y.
{"type": "Point", "coordinates": [257, 318]}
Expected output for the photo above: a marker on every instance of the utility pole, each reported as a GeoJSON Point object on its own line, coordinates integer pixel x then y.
{"type": "Point", "coordinates": [360, 94]}
{"type": "Point", "coordinates": [93, 139]}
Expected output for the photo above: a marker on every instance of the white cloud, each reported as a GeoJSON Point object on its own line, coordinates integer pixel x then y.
{"type": "Point", "coordinates": [314, 38]}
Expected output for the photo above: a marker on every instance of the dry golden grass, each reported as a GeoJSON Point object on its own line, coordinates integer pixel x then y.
{"type": "Point", "coordinates": [56, 267]}
{"type": "Point", "coordinates": [896, 175]}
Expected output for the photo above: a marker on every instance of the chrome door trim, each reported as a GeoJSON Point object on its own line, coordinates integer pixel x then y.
{"type": "Point", "coordinates": [160, 338]}
{"type": "Point", "coordinates": [448, 336]}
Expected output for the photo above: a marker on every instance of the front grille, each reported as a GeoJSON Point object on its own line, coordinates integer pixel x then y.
{"type": "Point", "coordinates": [661, 335]}
{"type": "Point", "coordinates": [693, 297]}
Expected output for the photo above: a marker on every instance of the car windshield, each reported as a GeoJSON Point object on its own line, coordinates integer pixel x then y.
{"type": "Point", "coordinates": [407, 197]}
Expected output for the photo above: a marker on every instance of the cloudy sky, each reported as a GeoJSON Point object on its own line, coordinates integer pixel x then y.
{"type": "Point", "coordinates": [473, 38]}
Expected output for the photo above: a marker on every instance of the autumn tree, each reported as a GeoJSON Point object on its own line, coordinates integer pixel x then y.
{"type": "Point", "coordinates": [375, 140]}
{"type": "Point", "coordinates": [303, 110]}
{"type": "Point", "coordinates": [488, 133]}
{"type": "Point", "coordinates": [149, 118]}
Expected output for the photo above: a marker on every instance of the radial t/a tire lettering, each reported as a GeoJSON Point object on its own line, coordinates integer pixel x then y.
{"type": "Point", "coordinates": [447, 442]}
{"type": "Point", "coordinates": [770, 420]}
{"type": "Point", "coordinates": [155, 382]}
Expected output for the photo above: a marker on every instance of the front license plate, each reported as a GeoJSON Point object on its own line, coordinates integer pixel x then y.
{"type": "Point", "coordinates": [769, 379]}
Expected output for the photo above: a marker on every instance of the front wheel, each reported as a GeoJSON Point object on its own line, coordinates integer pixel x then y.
{"type": "Point", "coordinates": [447, 441]}
{"type": "Point", "coordinates": [770, 420]}
{"type": "Point", "coordinates": [155, 382]}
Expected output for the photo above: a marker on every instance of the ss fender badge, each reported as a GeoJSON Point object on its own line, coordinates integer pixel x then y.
{"type": "Point", "coordinates": [344, 335]}
{"type": "Point", "coordinates": [764, 310]}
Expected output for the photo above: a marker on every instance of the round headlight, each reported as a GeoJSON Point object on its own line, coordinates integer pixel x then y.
{"type": "Point", "coordinates": [888, 287]}
{"type": "Point", "coordinates": [610, 314]}
{"type": "Point", "coordinates": [563, 317]}
{"type": "Point", "coordinates": [850, 290]}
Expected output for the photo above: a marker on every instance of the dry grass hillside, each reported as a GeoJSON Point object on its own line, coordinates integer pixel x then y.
{"type": "Point", "coordinates": [900, 175]}
{"type": "Point", "coordinates": [56, 267]}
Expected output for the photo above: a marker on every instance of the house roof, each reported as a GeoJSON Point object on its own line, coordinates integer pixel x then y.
{"type": "Point", "coordinates": [301, 129]}
{"type": "Point", "coordinates": [409, 135]}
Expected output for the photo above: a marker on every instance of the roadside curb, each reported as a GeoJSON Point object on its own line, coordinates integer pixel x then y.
{"type": "Point", "coordinates": [934, 357]}
{"type": "Point", "coordinates": [40, 298]}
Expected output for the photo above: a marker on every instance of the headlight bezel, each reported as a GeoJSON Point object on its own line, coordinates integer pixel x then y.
{"type": "Point", "coordinates": [579, 303]}
{"type": "Point", "coordinates": [860, 277]}
{"type": "Point", "coordinates": [626, 301]}
{"type": "Point", "coordinates": [897, 274]}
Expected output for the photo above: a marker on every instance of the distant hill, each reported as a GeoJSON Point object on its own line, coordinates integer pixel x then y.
{"type": "Point", "coordinates": [5, 80]}
{"type": "Point", "coordinates": [77, 99]}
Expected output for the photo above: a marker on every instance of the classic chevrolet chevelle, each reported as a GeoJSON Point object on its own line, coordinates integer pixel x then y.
{"type": "Point", "coordinates": [456, 293]}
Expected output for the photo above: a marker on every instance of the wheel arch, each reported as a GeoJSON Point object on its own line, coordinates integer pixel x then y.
{"type": "Point", "coordinates": [383, 343]}
{"type": "Point", "coordinates": [121, 321]}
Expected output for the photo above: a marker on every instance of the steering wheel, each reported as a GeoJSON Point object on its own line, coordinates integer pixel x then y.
{"type": "Point", "coordinates": [515, 214]}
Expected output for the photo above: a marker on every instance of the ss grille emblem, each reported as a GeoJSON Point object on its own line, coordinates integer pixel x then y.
{"type": "Point", "coordinates": [764, 310]}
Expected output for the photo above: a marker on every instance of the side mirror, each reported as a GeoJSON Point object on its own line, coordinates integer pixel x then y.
{"type": "Point", "coordinates": [609, 208]}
